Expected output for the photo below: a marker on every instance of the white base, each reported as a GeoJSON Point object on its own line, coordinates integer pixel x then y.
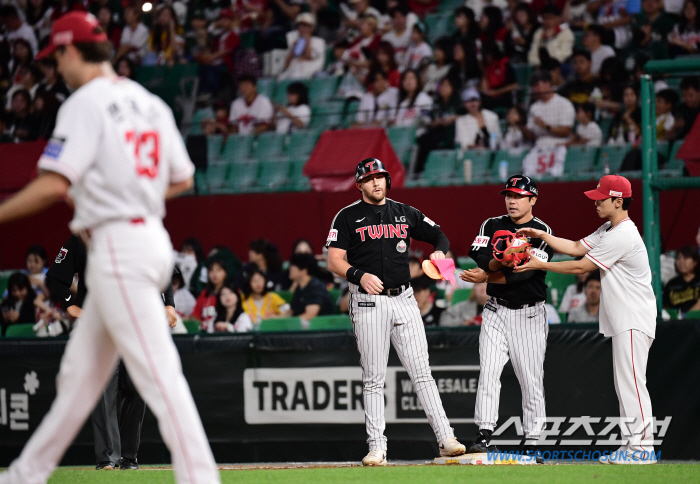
{"type": "Point", "coordinates": [482, 459]}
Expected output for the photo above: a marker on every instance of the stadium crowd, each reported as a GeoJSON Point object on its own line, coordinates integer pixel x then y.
{"type": "Point", "coordinates": [222, 294]}
{"type": "Point", "coordinates": [454, 71]}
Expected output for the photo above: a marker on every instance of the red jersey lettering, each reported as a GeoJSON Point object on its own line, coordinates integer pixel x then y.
{"type": "Point", "coordinates": [361, 231]}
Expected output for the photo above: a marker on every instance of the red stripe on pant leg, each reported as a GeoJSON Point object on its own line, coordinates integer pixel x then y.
{"type": "Point", "coordinates": [637, 388]}
{"type": "Point", "coordinates": [152, 366]}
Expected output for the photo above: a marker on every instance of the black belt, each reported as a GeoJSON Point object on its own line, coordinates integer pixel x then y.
{"type": "Point", "coordinates": [391, 291]}
{"type": "Point", "coordinates": [510, 305]}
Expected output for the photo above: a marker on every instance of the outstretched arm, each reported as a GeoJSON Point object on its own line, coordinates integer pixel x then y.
{"type": "Point", "coordinates": [565, 267]}
{"type": "Point", "coordinates": [573, 248]}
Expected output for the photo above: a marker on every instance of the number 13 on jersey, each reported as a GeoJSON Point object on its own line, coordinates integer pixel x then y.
{"type": "Point", "coordinates": [146, 152]}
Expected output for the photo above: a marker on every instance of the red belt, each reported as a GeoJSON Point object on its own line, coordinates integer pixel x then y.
{"type": "Point", "coordinates": [137, 221]}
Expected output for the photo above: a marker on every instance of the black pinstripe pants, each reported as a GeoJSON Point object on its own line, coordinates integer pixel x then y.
{"type": "Point", "coordinates": [377, 322]}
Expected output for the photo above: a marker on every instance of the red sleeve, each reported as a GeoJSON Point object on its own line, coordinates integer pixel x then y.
{"type": "Point", "coordinates": [394, 78]}
{"type": "Point", "coordinates": [199, 305]}
{"type": "Point", "coordinates": [232, 42]}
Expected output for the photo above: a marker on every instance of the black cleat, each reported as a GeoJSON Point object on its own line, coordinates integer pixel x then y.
{"type": "Point", "coordinates": [129, 464]}
{"type": "Point", "coordinates": [106, 466]}
{"type": "Point", "coordinates": [532, 450]}
{"type": "Point", "coordinates": [481, 444]}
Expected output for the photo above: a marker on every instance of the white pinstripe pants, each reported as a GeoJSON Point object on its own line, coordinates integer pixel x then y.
{"type": "Point", "coordinates": [521, 335]}
{"type": "Point", "coordinates": [377, 322]}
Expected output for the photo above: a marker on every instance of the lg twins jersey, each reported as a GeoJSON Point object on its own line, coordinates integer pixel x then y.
{"type": "Point", "coordinates": [119, 147]}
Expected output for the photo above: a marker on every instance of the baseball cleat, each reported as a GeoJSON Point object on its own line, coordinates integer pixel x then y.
{"type": "Point", "coordinates": [105, 466]}
{"type": "Point", "coordinates": [450, 447]}
{"type": "Point", "coordinates": [632, 458]}
{"type": "Point", "coordinates": [375, 458]}
{"type": "Point", "coordinates": [481, 444]}
{"type": "Point", "coordinates": [532, 451]}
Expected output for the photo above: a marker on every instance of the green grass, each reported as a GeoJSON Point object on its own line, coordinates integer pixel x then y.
{"type": "Point", "coordinates": [666, 473]}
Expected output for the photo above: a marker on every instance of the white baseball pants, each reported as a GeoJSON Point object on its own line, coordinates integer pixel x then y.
{"type": "Point", "coordinates": [630, 355]}
{"type": "Point", "coordinates": [377, 322]}
{"type": "Point", "coordinates": [128, 266]}
{"type": "Point", "coordinates": [521, 335]}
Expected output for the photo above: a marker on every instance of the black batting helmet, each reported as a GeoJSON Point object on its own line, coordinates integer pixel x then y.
{"type": "Point", "coordinates": [522, 185]}
{"type": "Point", "coordinates": [370, 166]}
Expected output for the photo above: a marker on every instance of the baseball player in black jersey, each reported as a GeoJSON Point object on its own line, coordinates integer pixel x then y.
{"type": "Point", "coordinates": [118, 415]}
{"type": "Point", "coordinates": [374, 234]}
{"type": "Point", "coordinates": [514, 323]}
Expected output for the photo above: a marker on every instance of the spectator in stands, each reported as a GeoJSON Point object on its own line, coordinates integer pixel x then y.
{"type": "Point", "coordinates": [29, 79]}
{"type": "Point", "coordinates": [423, 293]}
{"type": "Point", "coordinates": [166, 42]}
{"type": "Point", "coordinates": [377, 107]}
{"type": "Point", "coordinates": [263, 255]}
{"type": "Point", "coordinates": [552, 39]}
{"type": "Point", "coordinates": [551, 117]}
{"type": "Point", "coordinates": [307, 53]}
{"type": "Point", "coordinates": [467, 29]}
{"type": "Point", "coordinates": [302, 246]}
{"type": "Point", "coordinates": [465, 70]}
{"type": "Point", "coordinates": [183, 298]}
{"type": "Point", "coordinates": [579, 90]}
{"type": "Point", "coordinates": [609, 98]}
{"type": "Point", "coordinates": [358, 55]}
{"type": "Point", "coordinates": [134, 38]}
{"type": "Point", "coordinates": [685, 37]}
{"type": "Point", "coordinates": [614, 17]}
{"type": "Point", "coordinates": [20, 124]}
{"type": "Point", "coordinates": [17, 28]}
{"type": "Point", "coordinates": [20, 60]}
{"type": "Point", "coordinates": [686, 113]}
{"type": "Point", "coordinates": [574, 295]}
{"type": "Point", "coordinates": [125, 67]}
{"type": "Point", "coordinates": [230, 316]}
{"type": "Point", "coordinates": [587, 131]}
{"type": "Point", "coordinates": [498, 81]}
{"type": "Point", "coordinates": [666, 100]}
{"type": "Point", "coordinates": [650, 28]}
{"type": "Point", "coordinates": [414, 104]}
{"type": "Point", "coordinates": [38, 16]}
{"type": "Point", "coordinates": [192, 264]}
{"type": "Point", "coordinates": [588, 311]}
{"type": "Point", "coordinates": [282, 14]}
{"type": "Point", "coordinates": [35, 263]}
{"type": "Point", "coordinates": [400, 34]}
{"type": "Point", "coordinates": [626, 125]}
{"type": "Point", "coordinates": [297, 114]}
{"type": "Point", "coordinates": [492, 28]}
{"type": "Point", "coordinates": [478, 128]}
{"type": "Point", "coordinates": [52, 85]}
{"type": "Point", "coordinates": [593, 41]}
{"type": "Point", "coordinates": [310, 299]}
{"type": "Point", "coordinates": [216, 67]}
{"type": "Point", "coordinates": [553, 66]}
{"type": "Point", "coordinates": [360, 10]}
{"type": "Point", "coordinates": [197, 38]}
{"type": "Point", "coordinates": [683, 292]}
{"type": "Point", "coordinates": [441, 132]}
{"type": "Point", "coordinates": [440, 65]}
{"type": "Point", "coordinates": [384, 60]}
{"type": "Point", "coordinates": [251, 14]}
{"type": "Point", "coordinates": [113, 31]}
{"type": "Point", "coordinates": [519, 40]}
{"type": "Point", "coordinates": [423, 7]}
{"type": "Point", "coordinates": [251, 113]}
{"type": "Point", "coordinates": [205, 306]}
{"type": "Point", "coordinates": [513, 138]}
{"type": "Point", "coordinates": [419, 52]}
{"type": "Point", "coordinates": [467, 313]}
{"type": "Point", "coordinates": [259, 302]}
{"type": "Point", "coordinates": [18, 305]}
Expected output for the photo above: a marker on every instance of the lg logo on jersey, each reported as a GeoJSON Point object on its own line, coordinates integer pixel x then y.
{"type": "Point", "coordinates": [402, 218]}
{"type": "Point", "coordinates": [388, 231]}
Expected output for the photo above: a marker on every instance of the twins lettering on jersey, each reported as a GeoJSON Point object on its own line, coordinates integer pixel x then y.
{"type": "Point", "coordinates": [387, 231]}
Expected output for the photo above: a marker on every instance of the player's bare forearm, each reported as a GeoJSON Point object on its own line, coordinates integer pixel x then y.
{"type": "Point", "coordinates": [37, 196]}
{"type": "Point", "coordinates": [336, 261]}
{"type": "Point", "coordinates": [177, 188]}
{"type": "Point", "coordinates": [565, 267]}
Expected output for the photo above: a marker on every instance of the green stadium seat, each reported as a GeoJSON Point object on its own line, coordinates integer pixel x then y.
{"type": "Point", "coordinates": [301, 143]}
{"type": "Point", "coordinates": [675, 164]}
{"type": "Point", "coordinates": [4, 278]}
{"type": "Point", "coordinates": [578, 40]}
{"type": "Point", "coordinates": [350, 113]}
{"type": "Point", "coordinates": [689, 315]}
{"type": "Point", "coordinates": [580, 163]}
{"type": "Point", "coordinates": [439, 24]}
{"type": "Point", "coordinates": [21, 330]}
{"type": "Point", "coordinates": [337, 322]}
{"type": "Point", "coordinates": [280, 324]}
{"type": "Point", "coordinates": [402, 138]}
{"type": "Point", "coordinates": [335, 294]}
{"type": "Point", "coordinates": [241, 176]}
{"type": "Point", "coordinates": [280, 96]}
{"type": "Point", "coordinates": [192, 326]}
{"type": "Point", "coordinates": [328, 115]}
{"type": "Point", "coordinates": [662, 148]}
{"type": "Point", "coordinates": [199, 116]}
{"type": "Point", "coordinates": [297, 180]}
{"type": "Point", "coordinates": [448, 6]}
{"type": "Point", "coordinates": [200, 182]}
{"type": "Point", "coordinates": [286, 295]}
{"type": "Point", "coordinates": [460, 295]}
{"type": "Point", "coordinates": [613, 154]}
{"type": "Point", "coordinates": [273, 175]}
{"type": "Point", "coordinates": [322, 89]}
{"type": "Point", "coordinates": [673, 313]}
{"type": "Point", "coordinates": [269, 146]}
{"type": "Point", "coordinates": [237, 148]}
{"type": "Point", "coordinates": [214, 148]}
{"type": "Point", "coordinates": [266, 86]}
{"type": "Point", "coordinates": [164, 81]}
{"type": "Point", "coordinates": [515, 162]}
{"type": "Point", "coordinates": [563, 317]}
{"type": "Point", "coordinates": [559, 282]}
{"type": "Point", "coordinates": [605, 124]}
{"type": "Point", "coordinates": [481, 165]}
{"type": "Point", "coordinates": [216, 176]}
{"type": "Point", "coordinates": [440, 167]}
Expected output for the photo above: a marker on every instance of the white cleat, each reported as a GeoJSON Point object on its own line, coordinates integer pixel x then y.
{"type": "Point", "coordinates": [375, 458]}
{"type": "Point", "coordinates": [450, 447]}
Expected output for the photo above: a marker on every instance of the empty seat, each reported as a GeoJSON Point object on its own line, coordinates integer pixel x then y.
{"type": "Point", "coordinates": [192, 326]}
{"type": "Point", "coordinates": [269, 145]}
{"type": "Point", "coordinates": [273, 175]}
{"type": "Point", "coordinates": [440, 167]}
{"type": "Point", "coordinates": [580, 162]}
{"type": "Point", "coordinates": [481, 165]}
{"type": "Point", "coordinates": [214, 148]}
{"type": "Point", "coordinates": [216, 176]}
{"type": "Point", "coordinates": [612, 155]}
{"type": "Point", "coordinates": [350, 113]}
{"type": "Point", "coordinates": [328, 115]}
{"type": "Point", "coordinates": [242, 175]}
{"type": "Point", "coordinates": [280, 324]}
{"type": "Point", "coordinates": [334, 322]}
{"type": "Point", "coordinates": [439, 24]}
{"type": "Point", "coordinates": [514, 159]}
{"type": "Point", "coordinates": [460, 295]}
{"type": "Point", "coordinates": [322, 89]}
{"type": "Point", "coordinates": [266, 86]}
{"type": "Point", "coordinates": [301, 143]}
{"type": "Point", "coordinates": [200, 182]}
{"type": "Point", "coordinates": [297, 180]}
{"type": "Point", "coordinates": [237, 148]}
{"type": "Point", "coordinates": [199, 116]}
{"type": "Point", "coordinates": [402, 138]}
{"type": "Point", "coordinates": [21, 330]}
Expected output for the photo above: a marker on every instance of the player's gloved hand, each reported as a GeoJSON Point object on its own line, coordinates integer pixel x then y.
{"type": "Point", "coordinates": [474, 275]}
{"type": "Point", "coordinates": [529, 232]}
{"type": "Point", "coordinates": [372, 284]}
{"type": "Point", "coordinates": [532, 265]}
{"type": "Point", "coordinates": [438, 254]}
